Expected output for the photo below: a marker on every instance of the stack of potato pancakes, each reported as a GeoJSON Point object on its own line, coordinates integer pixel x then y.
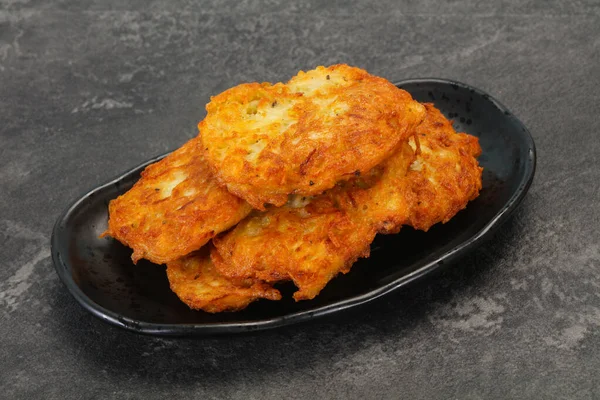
{"type": "Point", "coordinates": [291, 182]}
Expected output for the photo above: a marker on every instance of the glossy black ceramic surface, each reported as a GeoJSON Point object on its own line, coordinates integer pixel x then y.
{"type": "Point", "coordinates": [100, 275]}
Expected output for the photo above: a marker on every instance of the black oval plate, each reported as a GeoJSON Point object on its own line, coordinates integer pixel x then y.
{"type": "Point", "coordinates": [100, 275]}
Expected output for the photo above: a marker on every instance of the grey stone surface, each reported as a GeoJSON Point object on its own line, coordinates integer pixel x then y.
{"type": "Point", "coordinates": [89, 89]}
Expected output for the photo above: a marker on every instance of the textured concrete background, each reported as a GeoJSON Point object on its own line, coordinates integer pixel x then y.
{"type": "Point", "coordinates": [89, 89]}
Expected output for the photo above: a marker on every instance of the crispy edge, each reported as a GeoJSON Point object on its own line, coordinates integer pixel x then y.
{"type": "Point", "coordinates": [453, 163]}
{"type": "Point", "coordinates": [197, 283]}
{"type": "Point", "coordinates": [185, 223]}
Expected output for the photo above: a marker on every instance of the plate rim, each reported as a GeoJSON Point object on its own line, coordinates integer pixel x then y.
{"type": "Point", "coordinates": [186, 329]}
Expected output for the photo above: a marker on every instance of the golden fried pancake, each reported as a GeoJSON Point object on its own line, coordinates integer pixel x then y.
{"type": "Point", "coordinates": [444, 177]}
{"type": "Point", "coordinates": [195, 281]}
{"type": "Point", "coordinates": [304, 245]}
{"type": "Point", "coordinates": [175, 207]}
{"type": "Point", "coordinates": [424, 183]}
{"type": "Point", "coordinates": [447, 175]}
{"type": "Point", "coordinates": [266, 141]}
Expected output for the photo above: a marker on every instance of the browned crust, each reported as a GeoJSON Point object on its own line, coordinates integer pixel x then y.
{"type": "Point", "coordinates": [161, 226]}
{"type": "Point", "coordinates": [197, 283]}
{"type": "Point", "coordinates": [363, 122]}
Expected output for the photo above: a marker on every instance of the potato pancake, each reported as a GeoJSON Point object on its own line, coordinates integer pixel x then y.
{"type": "Point", "coordinates": [195, 281]}
{"type": "Point", "coordinates": [444, 177]}
{"type": "Point", "coordinates": [175, 208]}
{"type": "Point", "coordinates": [306, 245]}
{"type": "Point", "coordinates": [267, 141]}
{"type": "Point", "coordinates": [428, 181]}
